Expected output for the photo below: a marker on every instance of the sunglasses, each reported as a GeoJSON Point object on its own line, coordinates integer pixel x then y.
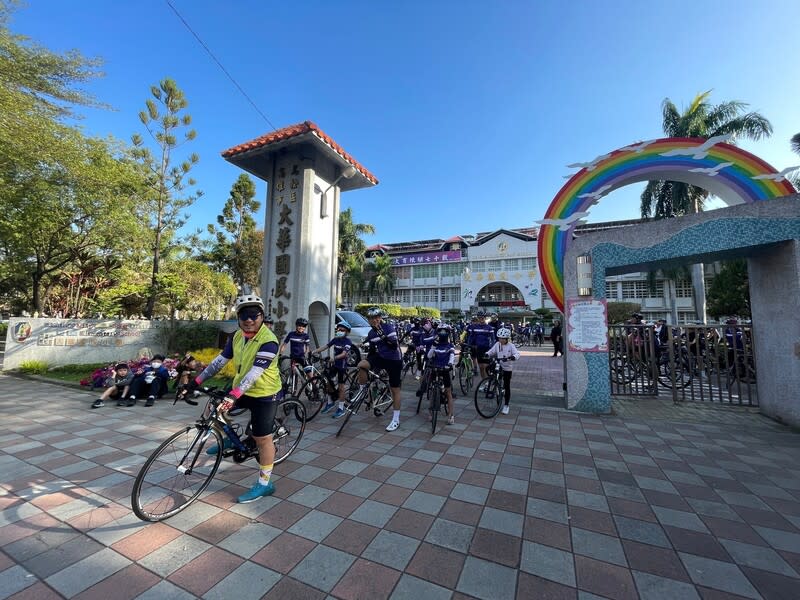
{"type": "Point", "coordinates": [249, 315]}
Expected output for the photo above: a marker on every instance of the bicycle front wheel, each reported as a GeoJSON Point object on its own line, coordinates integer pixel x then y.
{"type": "Point", "coordinates": [465, 377]}
{"type": "Point", "coordinates": [176, 473]}
{"type": "Point", "coordinates": [436, 401]}
{"type": "Point", "coordinates": [487, 398]}
{"type": "Point", "coordinates": [313, 396]}
{"type": "Point", "coordinates": [355, 404]}
{"type": "Point", "coordinates": [290, 424]}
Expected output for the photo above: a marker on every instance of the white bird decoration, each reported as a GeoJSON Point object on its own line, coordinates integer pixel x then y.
{"type": "Point", "coordinates": [589, 166]}
{"type": "Point", "coordinates": [597, 194]}
{"type": "Point", "coordinates": [564, 224]}
{"type": "Point", "coordinates": [638, 147]}
{"type": "Point", "coordinates": [701, 151]}
{"type": "Point", "coordinates": [777, 176]}
{"type": "Point", "coordinates": [711, 171]}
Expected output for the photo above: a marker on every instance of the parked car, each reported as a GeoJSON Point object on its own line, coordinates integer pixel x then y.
{"type": "Point", "coordinates": [360, 328]}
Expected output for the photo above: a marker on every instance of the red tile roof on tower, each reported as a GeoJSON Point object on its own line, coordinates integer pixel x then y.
{"type": "Point", "coordinates": [293, 131]}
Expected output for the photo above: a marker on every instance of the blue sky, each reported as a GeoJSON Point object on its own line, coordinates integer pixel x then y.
{"type": "Point", "coordinates": [466, 111]}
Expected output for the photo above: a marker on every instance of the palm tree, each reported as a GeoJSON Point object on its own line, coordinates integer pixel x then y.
{"type": "Point", "coordinates": [795, 179]}
{"type": "Point", "coordinates": [350, 245]}
{"type": "Point", "coordinates": [352, 278]}
{"type": "Point", "coordinates": [666, 199]}
{"type": "Point", "coordinates": [383, 278]}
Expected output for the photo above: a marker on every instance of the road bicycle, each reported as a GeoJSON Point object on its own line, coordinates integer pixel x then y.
{"type": "Point", "coordinates": [375, 395]}
{"type": "Point", "coordinates": [490, 391]}
{"type": "Point", "coordinates": [320, 385]}
{"type": "Point", "coordinates": [627, 365]}
{"type": "Point", "coordinates": [294, 375]}
{"type": "Point", "coordinates": [181, 468]}
{"type": "Point", "coordinates": [436, 394]}
{"type": "Point", "coordinates": [409, 362]}
{"type": "Point", "coordinates": [466, 370]}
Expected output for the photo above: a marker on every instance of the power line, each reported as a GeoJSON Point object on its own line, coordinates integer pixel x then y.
{"type": "Point", "coordinates": [219, 64]}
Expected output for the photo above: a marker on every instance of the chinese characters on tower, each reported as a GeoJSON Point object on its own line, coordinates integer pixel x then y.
{"type": "Point", "coordinates": [284, 203]}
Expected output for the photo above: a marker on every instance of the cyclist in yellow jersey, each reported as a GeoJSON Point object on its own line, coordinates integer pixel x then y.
{"type": "Point", "coordinates": [256, 385]}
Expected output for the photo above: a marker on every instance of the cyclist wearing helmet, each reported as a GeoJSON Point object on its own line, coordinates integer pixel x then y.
{"type": "Point", "coordinates": [341, 349]}
{"type": "Point", "coordinates": [426, 339]}
{"type": "Point", "coordinates": [256, 385]}
{"type": "Point", "coordinates": [480, 338]}
{"type": "Point", "coordinates": [442, 356]}
{"type": "Point", "coordinates": [384, 353]}
{"type": "Point", "coordinates": [494, 321]}
{"type": "Point", "coordinates": [298, 341]}
{"type": "Point", "coordinates": [504, 349]}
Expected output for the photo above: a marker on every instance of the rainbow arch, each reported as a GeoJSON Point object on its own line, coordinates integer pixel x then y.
{"type": "Point", "coordinates": [727, 171]}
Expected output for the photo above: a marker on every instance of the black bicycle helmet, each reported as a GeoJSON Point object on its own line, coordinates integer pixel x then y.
{"type": "Point", "coordinates": [301, 322]}
{"type": "Point", "coordinates": [374, 312]}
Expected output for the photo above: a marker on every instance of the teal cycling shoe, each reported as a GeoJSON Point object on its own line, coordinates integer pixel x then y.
{"type": "Point", "coordinates": [256, 492]}
{"type": "Point", "coordinates": [214, 449]}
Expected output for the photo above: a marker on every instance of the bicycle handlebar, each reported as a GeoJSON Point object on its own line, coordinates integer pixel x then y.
{"type": "Point", "coordinates": [216, 394]}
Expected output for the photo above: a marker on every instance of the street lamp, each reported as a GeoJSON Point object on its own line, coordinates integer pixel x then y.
{"type": "Point", "coordinates": [347, 173]}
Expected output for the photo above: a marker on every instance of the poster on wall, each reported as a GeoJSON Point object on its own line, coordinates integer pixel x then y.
{"type": "Point", "coordinates": [587, 325]}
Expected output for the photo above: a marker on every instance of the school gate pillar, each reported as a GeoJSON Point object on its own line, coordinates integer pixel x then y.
{"type": "Point", "coordinates": [306, 170]}
{"type": "Point", "coordinates": [774, 292]}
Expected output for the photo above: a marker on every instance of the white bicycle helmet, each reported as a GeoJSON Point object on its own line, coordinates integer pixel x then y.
{"type": "Point", "coordinates": [248, 300]}
{"type": "Point", "coordinates": [504, 333]}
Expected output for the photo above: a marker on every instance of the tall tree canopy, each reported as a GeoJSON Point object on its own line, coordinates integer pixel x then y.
{"type": "Point", "coordinates": [166, 194]}
{"type": "Point", "coordinates": [238, 246]}
{"type": "Point", "coordinates": [56, 183]}
{"type": "Point", "coordinates": [664, 199]}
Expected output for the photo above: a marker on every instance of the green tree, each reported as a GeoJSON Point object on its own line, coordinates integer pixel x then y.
{"type": "Point", "coordinates": [55, 183]}
{"type": "Point", "coordinates": [63, 211]}
{"type": "Point", "coordinates": [38, 89]}
{"type": "Point", "coordinates": [235, 235]}
{"type": "Point", "coordinates": [666, 199]}
{"type": "Point", "coordinates": [351, 246]}
{"type": "Point", "coordinates": [729, 293]}
{"type": "Point", "coordinates": [166, 194]}
{"type": "Point", "coordinates": [352, 278]}
{"type": "Point", "coordinates": [382, 278]}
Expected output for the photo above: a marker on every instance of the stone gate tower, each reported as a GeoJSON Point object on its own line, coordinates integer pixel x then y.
{"type": "Point", "coordinates": [306, 171]}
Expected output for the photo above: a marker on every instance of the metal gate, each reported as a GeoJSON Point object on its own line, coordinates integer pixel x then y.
{"type": "Point", "coordinates": [694, 363]}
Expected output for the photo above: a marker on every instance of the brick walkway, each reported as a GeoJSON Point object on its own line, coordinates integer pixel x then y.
{"type": "Point", "coordinates": [541, 503]}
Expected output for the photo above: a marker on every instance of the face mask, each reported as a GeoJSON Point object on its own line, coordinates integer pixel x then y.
{"type": "Point", "coordinates": [155, 364]}
{"type": "Point", "coordinates": [340, 334]}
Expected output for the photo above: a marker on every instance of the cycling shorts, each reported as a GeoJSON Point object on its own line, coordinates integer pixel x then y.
{"type": "Point", "coordinates": [480, 353]}
{"type": "Point", "coordinates": [393, 368]}
{"type": "Point", "coordinates": [445, 375]}
{"type": "Point", "coordinates": [262, 412]}
{"type": "Point", "coordinates": [337, 374]}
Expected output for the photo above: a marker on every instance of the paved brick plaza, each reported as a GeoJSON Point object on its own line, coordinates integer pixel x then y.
{"type": "Point", "coordinates": [542, 503]}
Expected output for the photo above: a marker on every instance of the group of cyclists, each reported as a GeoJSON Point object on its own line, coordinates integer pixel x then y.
{"type": "Point", "coordinates": [257, 386]}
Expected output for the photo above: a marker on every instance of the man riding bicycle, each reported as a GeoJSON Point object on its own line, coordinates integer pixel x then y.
{"type": "Point", "coordinates": [256, 385]}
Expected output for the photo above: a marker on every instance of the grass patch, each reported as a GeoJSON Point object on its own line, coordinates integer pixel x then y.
{"type": "Point", "coordinates": [33, 367]}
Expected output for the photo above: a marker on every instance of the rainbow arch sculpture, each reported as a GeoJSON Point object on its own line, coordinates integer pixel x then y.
{"type": "Point", "coordinates": [734, 175]}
